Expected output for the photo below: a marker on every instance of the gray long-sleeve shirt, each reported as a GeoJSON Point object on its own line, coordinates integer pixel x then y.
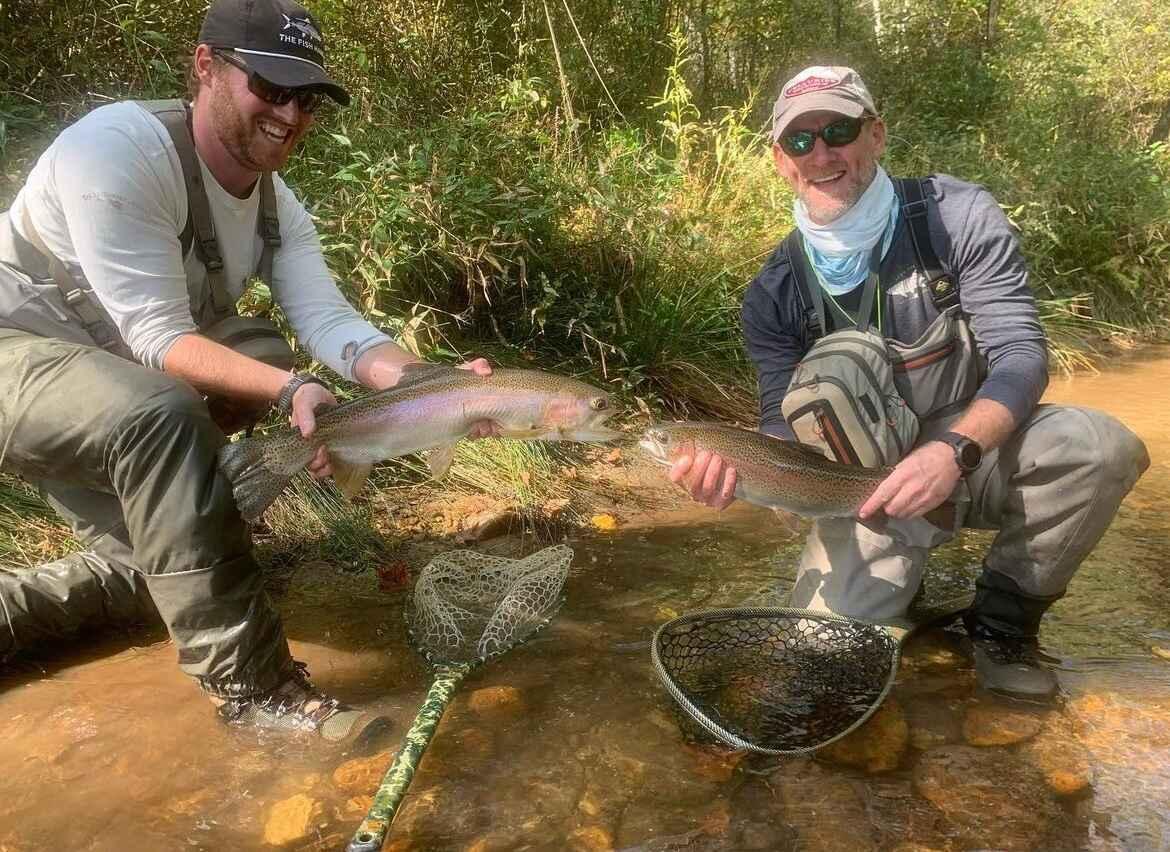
{"type": "Point", "coordinates": [976, 246]}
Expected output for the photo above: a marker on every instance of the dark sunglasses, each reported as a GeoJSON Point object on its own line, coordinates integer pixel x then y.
{"type": "Point", "coordinates": [309, 100]}
{"type": "Point", "coordinates": [836, 135]}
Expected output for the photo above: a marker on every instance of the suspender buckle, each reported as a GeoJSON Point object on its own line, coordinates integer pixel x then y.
{"type": "Point", "coordinates": [76, 296]}
{"type": "Point", "coordinates": [270, 230]}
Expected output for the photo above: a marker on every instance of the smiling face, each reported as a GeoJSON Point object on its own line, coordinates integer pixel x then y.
{"type": "Point", "coordinates": [238, 134]}
{"type": "Point", "coordinates": [830, 180]}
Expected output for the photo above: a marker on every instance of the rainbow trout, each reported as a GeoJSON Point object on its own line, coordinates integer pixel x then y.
{"type": "Point", "coordinates": [431, 408]}
{"type": "Point", "coordinates": [782, 475]}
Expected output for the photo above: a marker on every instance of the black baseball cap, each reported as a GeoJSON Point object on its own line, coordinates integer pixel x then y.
{"type": "Point", "coordinates": [277, 39]}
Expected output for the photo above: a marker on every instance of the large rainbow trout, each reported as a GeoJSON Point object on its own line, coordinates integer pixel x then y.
{"type": "Point", "coordinates": [782, 475]}
{"type": "Point", "coordinates": [431, 408]}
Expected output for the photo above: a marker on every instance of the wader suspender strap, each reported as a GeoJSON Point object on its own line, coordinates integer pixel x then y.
{"type": "Point", "coordinates": [176, 118]}
{"type": "Point", "coordinates": [943, 291]}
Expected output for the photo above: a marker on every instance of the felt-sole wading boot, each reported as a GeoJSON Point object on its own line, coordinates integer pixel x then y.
{"type": "Point", "coordinates": [1003, 623]}
{"type": "Point", "coordinates": [1011, 666]}
{"type": "Point", "coordinates": [298, 707]}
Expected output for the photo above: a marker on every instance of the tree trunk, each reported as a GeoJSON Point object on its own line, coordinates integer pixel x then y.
{"type": "Point", "coordinates": [877, 20]}
{"type": "Point", "coordinates": [992, 22]}
{"type": "Point", "coordinates": [1161, 131]}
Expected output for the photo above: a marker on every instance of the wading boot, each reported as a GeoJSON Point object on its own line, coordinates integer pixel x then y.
{"type": "Point", "coordinates": [1003, 623]}
{"type": "Point", "coordinates": [298, 706]}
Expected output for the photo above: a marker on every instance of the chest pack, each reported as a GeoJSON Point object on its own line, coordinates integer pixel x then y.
{"type": "Point", "coordinates": [212, 308]}
{"type": "Point", "coordinates": [860, 397]}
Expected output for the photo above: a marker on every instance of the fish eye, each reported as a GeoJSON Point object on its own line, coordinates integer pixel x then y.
{"type": "Point", "coordinates": [599, 403]}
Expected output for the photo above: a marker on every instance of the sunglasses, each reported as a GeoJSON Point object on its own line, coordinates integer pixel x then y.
{"type": "Point", "coordinates": [308, 100]}
{"type": "Point", "coordinates": [836, 135]}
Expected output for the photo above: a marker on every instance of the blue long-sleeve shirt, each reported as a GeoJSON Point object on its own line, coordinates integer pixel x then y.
{"type": "Point", "coordinates": [976, 246]}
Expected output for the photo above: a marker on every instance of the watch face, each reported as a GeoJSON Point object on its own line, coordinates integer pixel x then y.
{"type": "Point", "coordinates": [970, 455]}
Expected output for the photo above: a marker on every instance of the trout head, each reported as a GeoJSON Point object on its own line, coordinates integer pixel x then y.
{"type": "Point", "coordinates": [575, 414]}
{"type": "Point", "coordinates": [665, 446]}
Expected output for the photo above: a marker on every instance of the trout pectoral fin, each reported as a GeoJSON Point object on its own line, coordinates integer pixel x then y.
{"type": "Point", "coordinates": [439, 460]}
{"type": "Point", "coordinates": [350, 477]}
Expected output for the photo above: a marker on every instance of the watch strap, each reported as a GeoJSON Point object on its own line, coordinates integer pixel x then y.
{"type": "Point", "coordinates": [284, 400]}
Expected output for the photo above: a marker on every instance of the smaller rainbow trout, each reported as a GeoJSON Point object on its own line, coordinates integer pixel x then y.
{"type": "Point", "coordinates": [431, 408]}
{"type": "Point", "coordinates": [781, 475]}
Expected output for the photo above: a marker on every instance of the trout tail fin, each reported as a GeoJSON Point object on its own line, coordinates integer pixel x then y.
{"type": "Point", "coordinates": [254, 483]}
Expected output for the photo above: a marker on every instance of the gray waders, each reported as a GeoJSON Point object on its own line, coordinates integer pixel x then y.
{"type": "Point", "coordinates": [1051, 490]}
{"type": "Point", "coordinates": [126, 455]}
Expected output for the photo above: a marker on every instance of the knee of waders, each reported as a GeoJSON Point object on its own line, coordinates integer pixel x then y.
{"type": "Point", "coordinates": [1001, 607]}
{"type": "Point", "coordinates": [1107, 448]}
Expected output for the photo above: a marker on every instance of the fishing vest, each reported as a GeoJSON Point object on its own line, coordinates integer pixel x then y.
{"type": "Point", "coordinates": [865, 399]}
{"type": "Point", "coordinates": [75, 308]}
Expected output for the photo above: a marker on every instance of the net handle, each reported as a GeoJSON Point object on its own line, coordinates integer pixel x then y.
{"type": "Point", "coordinates": [371, 834]}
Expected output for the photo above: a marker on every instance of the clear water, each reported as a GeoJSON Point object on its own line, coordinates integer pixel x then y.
{"type": "Point", "coordinates": [108, 746]}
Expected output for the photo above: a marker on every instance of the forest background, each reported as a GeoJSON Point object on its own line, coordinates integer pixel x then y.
{"type": "Point", "coordinates": [587, 187]}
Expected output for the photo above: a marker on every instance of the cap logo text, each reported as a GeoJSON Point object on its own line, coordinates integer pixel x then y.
{"type": "Point", "coordinates": [811, 84]}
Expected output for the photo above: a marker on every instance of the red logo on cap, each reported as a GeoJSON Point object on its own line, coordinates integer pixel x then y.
{"type": "Point", "coordinates": [810, 84]}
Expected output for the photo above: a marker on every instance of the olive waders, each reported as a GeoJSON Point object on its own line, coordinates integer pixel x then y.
{"type": "Point", "coordinates": [1051, 490]}
{"type": "Point", "coordinates": [127, 455]}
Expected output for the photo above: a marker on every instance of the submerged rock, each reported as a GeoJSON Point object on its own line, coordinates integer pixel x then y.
{"type": "Point", "coordinates": [362, 774]}
{"type": "Point", "coordinates": [715, 763]}
{"type": "Point", "coordinates": [987, 793]}
{"type": "Point", "coordinates": [823, 807]}
{"type": "Point", "coordinates": [590, 838]}
{"type": "Point", "coordinates": [1065, 763]}
{"type": "Point", "coordinates": [994, 724]}
{"type": "Point", "coordinates": [877, 746]}
{"type": "Point", "coordinates": [496, 702]}
{"type": "Point", "coordinates": [291, 819]}
{"type": "Point", "coordinates": [933, 723]}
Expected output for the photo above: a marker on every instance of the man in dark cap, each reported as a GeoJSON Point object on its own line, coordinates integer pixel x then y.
{"type": "Point", "coordinates": [121, 260]}
{"type": "Point", "coordinates": [895, 326]}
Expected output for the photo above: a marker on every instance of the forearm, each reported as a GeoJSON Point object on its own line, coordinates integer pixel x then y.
{"type": "Point", "coordinates": [215, 369]}
{"type": "Point", "coordinates": [381, 367]}
{"type": "Point", "coordinates": [986, 422]}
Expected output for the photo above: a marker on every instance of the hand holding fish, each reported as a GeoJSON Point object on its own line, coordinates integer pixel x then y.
{"type": "Point", "coordinates": [918, 483]}
{"type": "Point", "coordinates": [708, 478]}
{"type": "Point", "coordinates": [306, 402]}
{"type": "Point", "coordinates": [481, 428]}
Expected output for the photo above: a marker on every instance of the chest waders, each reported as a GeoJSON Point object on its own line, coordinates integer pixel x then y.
{"type": "Point", "coordinates": [866, 399]}
{"type": "Point", "coordinates": [212, 307]}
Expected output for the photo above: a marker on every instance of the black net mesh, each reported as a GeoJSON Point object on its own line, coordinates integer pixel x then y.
{"type": "Point", "coordinates": [778, 681]}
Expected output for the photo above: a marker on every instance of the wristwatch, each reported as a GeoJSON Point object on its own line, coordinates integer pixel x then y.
{"type": "Point", "coordinates": [283, 402]}
{"type": "Point", "coordinates": [968, 454]}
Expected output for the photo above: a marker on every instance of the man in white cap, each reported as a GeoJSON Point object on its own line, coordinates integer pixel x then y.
{"type": "Point", "coordinates": [957, 328]}
{"type": "Point", "coordinates": [121, 357]}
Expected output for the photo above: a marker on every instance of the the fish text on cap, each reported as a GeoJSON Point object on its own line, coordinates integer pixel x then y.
{"type": "Point", "coordinates": [811, 84]}
{"type": "Point", "coordinates": [308, 37]}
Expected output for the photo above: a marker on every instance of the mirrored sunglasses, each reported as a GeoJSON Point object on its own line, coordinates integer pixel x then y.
{"type": "Point", "coordinates": [836, 135]}
{"type": "Point", "coordinates": [308, 100]}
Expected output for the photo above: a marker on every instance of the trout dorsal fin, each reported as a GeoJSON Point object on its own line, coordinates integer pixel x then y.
{"type": "Point", "coordinates": [417, 372]}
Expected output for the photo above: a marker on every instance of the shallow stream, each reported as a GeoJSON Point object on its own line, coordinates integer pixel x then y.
{"type": "Point", "coordinates": [569, 743]}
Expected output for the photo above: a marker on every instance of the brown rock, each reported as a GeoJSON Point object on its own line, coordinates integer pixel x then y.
{"type": "Point", "coordinates": [877, 746]}
{"type": "Point", "coordinates": [590, 838]}
{"type": "Point", "coordinates": [496, 702]}
{"type": "Point", "coordinates": [362, 774]}
{"type": "Point", "coordinates": [291, 819]}
{"type": "Point", "coordinates": [1064, 761]}
{"type": "Point", "coordinates": [717, 821]}
{"type": "Point", "coordinates": [358, 805]}
{"type": "Point", "coordinates": [484, 525]}
{"type": "Point", "coordinates": [994, 724]}
{"type": "Point", "coordinates": [986, 793]}
{"type": "Point", "coordinates": [715, 763]}
{"type": "Point", "coordinates": [590, 803]}
{"type": "Point", "coordinates": [823, 807]}
{"type": "Point", "coordinates": [933, 723]}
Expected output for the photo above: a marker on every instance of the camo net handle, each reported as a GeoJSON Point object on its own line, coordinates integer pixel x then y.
{"type": "Point", "coordinates": [469, 606]}
{"type": "Point", "coordinates": [775, 680]}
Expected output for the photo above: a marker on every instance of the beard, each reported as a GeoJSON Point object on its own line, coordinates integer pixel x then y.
{"type": "Point", "coordinates": [824, 209]}
{"type": "Point", "coordinates": [243, 139]}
